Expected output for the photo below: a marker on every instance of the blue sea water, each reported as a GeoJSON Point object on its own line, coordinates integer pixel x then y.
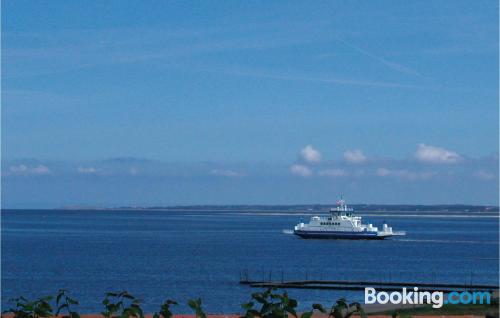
{"type": "Point", "coordinates": [157, 255]}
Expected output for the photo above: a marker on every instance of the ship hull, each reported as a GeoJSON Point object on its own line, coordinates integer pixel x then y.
{"type": "Point", "coordinates": [339, 235]}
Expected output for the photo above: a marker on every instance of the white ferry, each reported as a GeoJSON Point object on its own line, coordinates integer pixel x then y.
{"type": "Point", "coordinates": [342, 224]}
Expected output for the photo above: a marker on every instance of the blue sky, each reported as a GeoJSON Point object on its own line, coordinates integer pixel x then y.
{"type": "Point", "coordinates": [159, 103]}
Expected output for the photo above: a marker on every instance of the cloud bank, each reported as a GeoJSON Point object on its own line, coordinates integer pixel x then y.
{"type": "Point", "coordinates": [354, 156]}
{"type": "Point", "coordinates": [226, 173]}
{"type": "Point", "coordinates": [301, 170]}
{"type": "Point", "coordinates": [432, 154]}
{"type": "Point", "coordinates": [22, 169]}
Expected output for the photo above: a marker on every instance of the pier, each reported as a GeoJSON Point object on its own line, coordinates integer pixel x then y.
{"type": "Point", "coordinates": [360, 285]}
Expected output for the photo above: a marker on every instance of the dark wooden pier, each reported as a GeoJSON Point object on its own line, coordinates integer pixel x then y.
{"type": "Point", "coordinates": [360, 285]}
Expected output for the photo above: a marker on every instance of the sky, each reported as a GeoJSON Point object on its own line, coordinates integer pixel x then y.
{"type": "Point", "coordinates": [112, 103]}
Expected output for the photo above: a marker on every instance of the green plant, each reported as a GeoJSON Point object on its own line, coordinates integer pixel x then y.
{"type": "Point", "coordinates": [344, 310]}
{"type": "Point", "coordinates": [272, 305]}
{"type": "Point", "coordinates": [195, 304]}
{"type": "Point", "coordinates": [31, 309]}
{"type": "Point", "coordinates": [308, 314]}
{"type": "Point", "coordinates": [64, 302]}
{"type": "Point", "coordinates": [165, 311]}
{"type": "Point", "coordinates": [121, 305]}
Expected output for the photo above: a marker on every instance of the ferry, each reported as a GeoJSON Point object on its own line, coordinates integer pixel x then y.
{"type": "Point", "coordinates": [343, 224]}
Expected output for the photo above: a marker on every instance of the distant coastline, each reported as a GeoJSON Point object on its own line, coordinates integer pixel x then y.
{"type": "Point", "coordinates": [300, 208]}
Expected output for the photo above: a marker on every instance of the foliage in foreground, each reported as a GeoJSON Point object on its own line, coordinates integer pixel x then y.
{"type": "Point", "coordinates": [270, 305]}
{"type": "Point", "coordinates": [266, 304]}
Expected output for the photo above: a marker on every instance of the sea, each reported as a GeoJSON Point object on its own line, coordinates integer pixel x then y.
{"type": "Point", "coordinates": [181, 255]}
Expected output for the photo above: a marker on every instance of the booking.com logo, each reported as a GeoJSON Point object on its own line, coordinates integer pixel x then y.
{"type": "Point", "coordinates": [416, 297]}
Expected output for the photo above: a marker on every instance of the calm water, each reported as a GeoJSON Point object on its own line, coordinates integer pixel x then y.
{"type": "Point", "coordinates": [181, 255]}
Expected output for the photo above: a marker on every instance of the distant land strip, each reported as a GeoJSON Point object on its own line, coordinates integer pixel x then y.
{"type": "Point", "coordinates": [457, 208]}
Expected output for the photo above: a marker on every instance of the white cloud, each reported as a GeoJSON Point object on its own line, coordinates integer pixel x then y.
{"type": "Point", "coordinates": [226, 173]}
{"type": "Point", "coordinates": [87, 170]}
{"type": "Point", "coordinates": [484, 175]}
{"type": "Point", "coordinates": [404, 174]}
{"type": "Point", "coordinates": [354, 156]}
{"type": "Point", "coordinates": [23, 169]}
{"type": "Point", "coordinates": [432, 154]}
{"type": "Point", "coordinates": [333, 173]}
{"type": "Point", "coordinates": [310, 155]}
{"type": "Point", "coordinates": [300, 170]}
{"type": "Point", "coordinates": [18, 169]}
{"type": "Point", "coordinates": [40, 170]}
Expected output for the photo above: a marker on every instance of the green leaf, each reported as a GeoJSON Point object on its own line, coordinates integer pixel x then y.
{"type": "Point", "coordinates": [72, 301]}
{"type": "Point", "coordinates": [292, 311]}
{"type": "Point", "coordinates": [59, 295]}
{"type": "Point", "coordinates": [319, 307]}
{"type": "Point", "coordinates": [74, 314]}
{"type": "Point", "coordinates": [192, 304]}
{"type": "Point", "coordinates": [265, 309]}
{"type": "Point", "coordinates": [60, 308]}
{"type": "Point", "coordinates": [307, 314]}
{"type": "Point", "coordinates": [362, 312]}
{"type": "Point", "coordinates": [247, 306]}
{"type": "Point", "coordinates": [337, 312]}
{"type": "Point", "coordinates": [259, 298]}
{"type": "Point", "coordinates": [342, 303]}
{"type": "Point", "coordinates": [277, 312]}
{"type": "Point", "coordinates": [253, 313]}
